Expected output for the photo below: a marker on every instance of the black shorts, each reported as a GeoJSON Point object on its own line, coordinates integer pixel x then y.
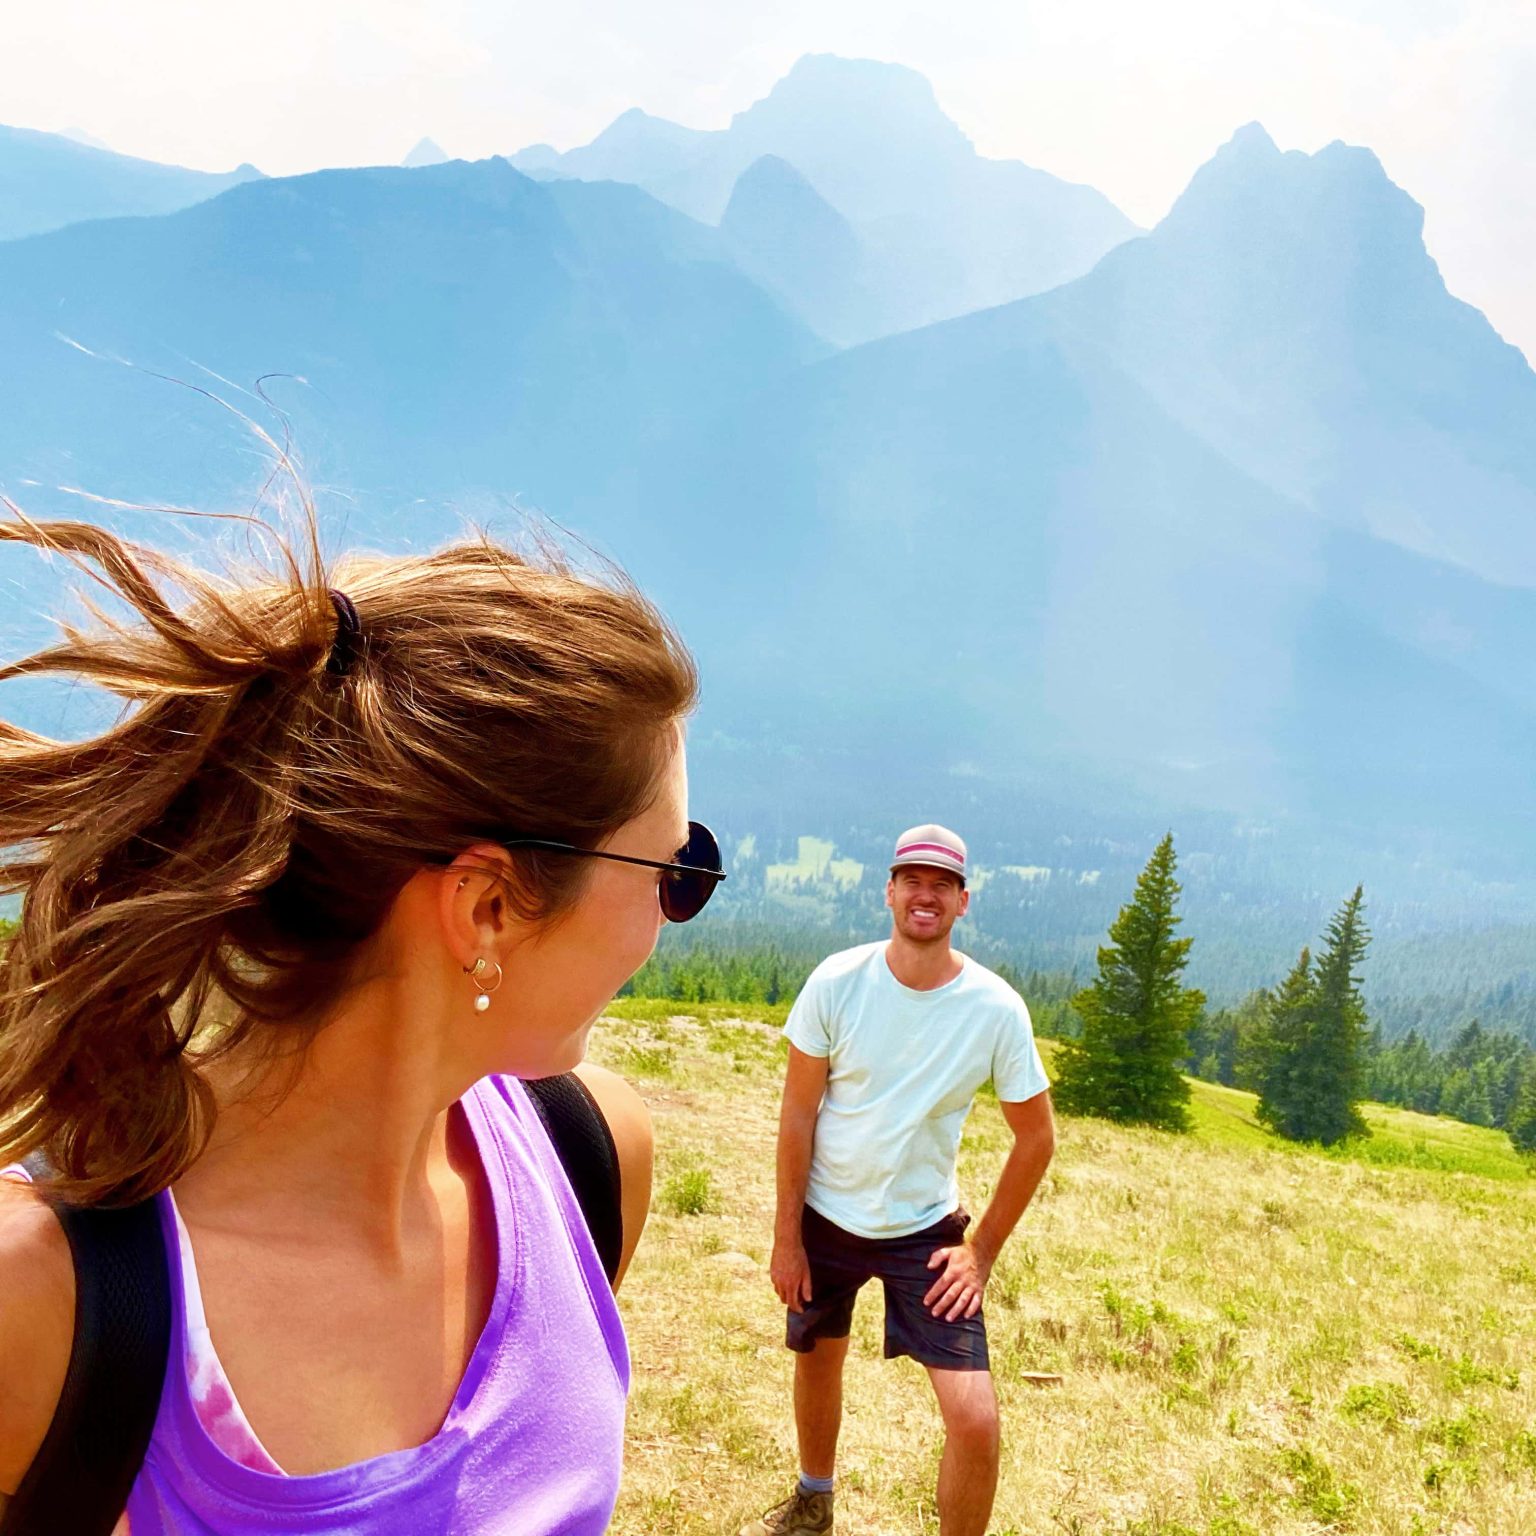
{"type": "Point", "coordinates": [840, 1265]}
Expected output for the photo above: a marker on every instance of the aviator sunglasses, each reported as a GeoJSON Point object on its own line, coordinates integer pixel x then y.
{"type": "Point", "coordinates": [687, 882]}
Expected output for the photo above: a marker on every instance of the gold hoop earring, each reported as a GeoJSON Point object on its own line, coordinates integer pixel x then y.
{"type": "Point", "coordinates": [474, 972]}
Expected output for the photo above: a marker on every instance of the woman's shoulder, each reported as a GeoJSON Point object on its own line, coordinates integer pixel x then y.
{"type": "Point", "coordinates": [628, 1119]}
{"type": "Point", "coordinates": [629, 1123]}
{"type": "Point", "coordinates": [616, 1100]}
{"type": "Point", "coordinates": [37, 1322]}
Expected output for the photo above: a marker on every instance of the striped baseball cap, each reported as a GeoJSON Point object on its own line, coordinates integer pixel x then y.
{"type": "Point", "coordinates": [931, 844]}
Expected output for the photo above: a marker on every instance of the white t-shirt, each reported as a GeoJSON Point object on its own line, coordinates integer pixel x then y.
{"type": "Point", "coordinates": [902, 1070]}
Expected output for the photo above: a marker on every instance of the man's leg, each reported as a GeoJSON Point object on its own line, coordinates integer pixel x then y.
{"type": "Point", "coordinates": [968, 1471]}
{"type": "Point", "coordinates": [818, 1334]}
{"type": "Point", "coordinates": [819, 1404]}
{"type": "Point", "coordinates": [956, 1358]}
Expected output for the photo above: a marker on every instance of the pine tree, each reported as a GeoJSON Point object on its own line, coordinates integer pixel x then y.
{"type": "Point", "coordinates": [1342, 1026]}
{"type": "Point", "coordinates": [1314, 1053]}
{"type": "Point", "coordinates": [1252, 1020]}
{"type": "Point", "coordinates": [1469, 1046]}
{"type": "Point", "coordinates": [1505, 1086]}
{"type": "Point", "coordinates": [1522, 1115]}
{"type": "Point", "coordinates": [1279, 1046]}
{"type": "Point", "coordinates": [1478, 1109]}
{"type": "Point", "coordinates": [1136, 1016]}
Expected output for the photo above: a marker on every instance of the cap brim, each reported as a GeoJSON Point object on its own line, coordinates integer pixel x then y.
{"type": "Point", "coordinates": [956, 870]}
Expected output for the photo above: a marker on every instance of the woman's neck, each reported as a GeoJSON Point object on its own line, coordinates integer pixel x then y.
{"type": "Point", "coordinates": [352, 1131]}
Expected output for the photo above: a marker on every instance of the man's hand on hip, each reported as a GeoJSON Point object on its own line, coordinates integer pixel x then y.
{"type": "Point", "coordinates": [959, 1288]}
{"type": "Point", "coordinates": [790, 1271]}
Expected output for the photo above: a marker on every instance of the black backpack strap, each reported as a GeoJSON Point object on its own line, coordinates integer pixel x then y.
{"type": "Point", "coordinates": [80, 1478]}
{"type": "Point", "coordinates": [585, 1147]}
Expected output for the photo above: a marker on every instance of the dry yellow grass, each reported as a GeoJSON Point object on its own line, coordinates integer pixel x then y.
{"type": "Point", "coordinates": [1254, 1341]}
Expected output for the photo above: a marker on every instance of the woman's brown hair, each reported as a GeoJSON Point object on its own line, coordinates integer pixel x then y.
{"type": "Point", "coordinates": [244, 827]}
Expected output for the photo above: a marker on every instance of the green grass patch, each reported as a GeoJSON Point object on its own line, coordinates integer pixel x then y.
{"type": "Point", "coordinates": [1402, 1138]}
{"type": "Point", "coordinates": [650, 1060]}
{"type": "Point", "coordinates": [1399, 1138]}
{"type": "Point", "coordinates": [649, 1009]}
{"type": "Point", "coordinates": [749, 1045]}
{"type": "Point", "coordinates": [1521, 1451]}
{"type": "Point", "coordinates": [1377, 1402]}
{"type": "Point", "coordinates": [1318, 1490]}
{"type": "Point", "coordinates": [1225, 1117]}
{"type": "Point", "coordinates": [689, 1191]}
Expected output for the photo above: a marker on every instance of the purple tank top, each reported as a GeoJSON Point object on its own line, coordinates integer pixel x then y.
{"type": "Point", "coordinates": [533, 1441]}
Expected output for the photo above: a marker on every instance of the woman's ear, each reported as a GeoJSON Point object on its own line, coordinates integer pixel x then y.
{"type": "Point", "coordinates": [478, 919]}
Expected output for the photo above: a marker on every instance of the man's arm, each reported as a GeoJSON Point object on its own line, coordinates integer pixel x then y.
{"type": "Point", "coordinates": [805, 1082]}
{"type": "Point", "coordinates": [958, 1290]}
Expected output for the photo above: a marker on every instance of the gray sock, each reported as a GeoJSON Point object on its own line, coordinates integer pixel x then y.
{"type": "Point", "coordinates": [809, 1484]}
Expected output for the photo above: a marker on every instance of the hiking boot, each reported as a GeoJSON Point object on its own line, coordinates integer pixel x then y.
{"type": "Point", "coordinates": [801, 1514]}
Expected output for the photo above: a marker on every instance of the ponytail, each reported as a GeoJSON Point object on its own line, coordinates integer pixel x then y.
{"type": "Point", "coordinates": [131, 853]}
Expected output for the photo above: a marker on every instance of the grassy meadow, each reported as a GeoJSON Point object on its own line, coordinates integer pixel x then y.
{"type": "Point", "coordinates": [1255, 1339]}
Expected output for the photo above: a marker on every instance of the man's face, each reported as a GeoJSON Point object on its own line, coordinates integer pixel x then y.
{"type": "Point", "coordinates": [925, 902]}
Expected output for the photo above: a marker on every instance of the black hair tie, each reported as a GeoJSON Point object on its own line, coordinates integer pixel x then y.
{"type": "Point", "coordinates": [349, 634]}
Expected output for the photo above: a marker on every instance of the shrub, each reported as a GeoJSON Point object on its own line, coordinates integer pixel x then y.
{"type": "Point", "coordinates": [1380, 1402]}
{"type": "Point", "coordinates": [1522, 1450]}
{"type": "Point", "coordinates": [689, 1191]}
{"type": "Point", "coordinates": [650, 1060]}
{"type": "Point", "coordinates": [1317, 1490]}
{"type": "Point", "coordinates": [1418, 1349]}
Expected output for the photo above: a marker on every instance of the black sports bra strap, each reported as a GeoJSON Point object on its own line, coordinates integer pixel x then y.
{"type": "Point", "coordinates": [80, 1479]}
{"type": "Point", "coordinates": [585, 1146]}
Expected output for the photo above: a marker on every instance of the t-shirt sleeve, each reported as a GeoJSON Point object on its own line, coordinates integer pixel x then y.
{"type": "Point", "coordinates": [1017, 1071]}
{"type": "Point", "coordinates": [809, 1025]}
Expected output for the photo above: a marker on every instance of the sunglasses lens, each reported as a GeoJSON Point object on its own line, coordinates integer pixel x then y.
{"type": "Point", "coordinates": [684, 892]}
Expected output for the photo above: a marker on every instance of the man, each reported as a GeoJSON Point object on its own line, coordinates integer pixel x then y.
{"type": "Point", "coordinates": [888, 1044]}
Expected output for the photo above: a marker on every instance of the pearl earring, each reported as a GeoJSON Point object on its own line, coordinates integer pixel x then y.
{"type": "Point", "coordinates": [474, 972]}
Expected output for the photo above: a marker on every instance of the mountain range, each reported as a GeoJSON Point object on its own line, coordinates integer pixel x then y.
{"type": "Point", "coordinates": [1234, 529]}
{"type": "Point", "coordinates": [447, 332]}
{"type": "Point", "coordinates": [48, 180]}
{"type": "Point", "coordinates": [938, 230]}
{"type": "Point", "coordinates": [1243, 517]}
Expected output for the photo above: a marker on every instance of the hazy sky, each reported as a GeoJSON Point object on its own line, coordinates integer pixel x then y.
{"type": "Point", "coordinates": [1123, 94]}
